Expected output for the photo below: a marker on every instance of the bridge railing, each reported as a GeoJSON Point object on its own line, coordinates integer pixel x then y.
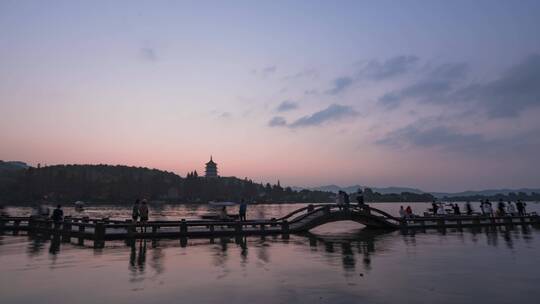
{"type": "Point", "coordinates": [327, 208]}
{"type": "Point", "coordinates": [379, 212]}
{"type": "Point", "coordinates": [306, 208]}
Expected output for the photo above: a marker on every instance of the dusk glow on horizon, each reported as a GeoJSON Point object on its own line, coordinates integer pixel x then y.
{"type": "Point", "coordinates": [435, 95]}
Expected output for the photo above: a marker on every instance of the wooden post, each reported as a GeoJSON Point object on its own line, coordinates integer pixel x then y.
{"type": "Point", "coordinates": [99, 235]}
{"type": "Point", "coordinates": [154, 230]}
{"type": "Point", "coordinates": [31, 224]}
{"type": "Point", "coordinates": [66, 230]}
{"type": "Point", "coordinates": [285, 227]}
{"type": "Point", "coordinates": [183, 227]}
{"type": "Point", "coordinates": [310, 208]}
{"type": "Point", "coordinates": [82, 227]}
{"type": "Point", "coordinates": [16, 225]}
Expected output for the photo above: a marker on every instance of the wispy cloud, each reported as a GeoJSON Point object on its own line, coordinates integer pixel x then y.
{"type": "Point", "coordinates": [374, 70]}
{"type": "Point", "coordinates": [265, 71]}
{"type": "Point", "coordinates": [307, 73]}
{"type": "Point", "coordinates": [148, 54]}
{"type": "Point", "coordinates": [434, 86]}
{"type": "Point", "coordinates": [286, 105]}
{"type": "Point", "coordinates": [516, 90]}
{"type": "Point", "coordinates": [269, 70]}
{"type": "Point", "coordinates": [432, 136]}
{"type": "Point", "coordinates": [377, 70]}
{"type": "Point", "coordinates": [340, 84]}
{"type": "Point", "coordinates": [277, 121]}
{"type": "Point", "coordinates": [334, 112]}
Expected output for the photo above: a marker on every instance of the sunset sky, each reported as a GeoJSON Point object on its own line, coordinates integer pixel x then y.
{"type": "Point", "coordinates": [438, 95]}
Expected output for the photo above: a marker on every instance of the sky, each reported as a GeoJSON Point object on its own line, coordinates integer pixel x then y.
{"type": "Point", "coordinates": [436, 95]}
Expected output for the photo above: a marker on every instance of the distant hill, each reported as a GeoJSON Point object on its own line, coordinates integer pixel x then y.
{"type": "Point", "coordinates": [439, 195]}
{"type": "Point", "coordinates": [354, 188]}
{"type": "Point", "coordinates": [12, 165]}
{"type": "Point", "coordinates": [489, 192]}
{"type": "Point", "coordinates": [124, 184]}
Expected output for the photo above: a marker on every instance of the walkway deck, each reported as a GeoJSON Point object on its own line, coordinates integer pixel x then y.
{"type": "Point", "coordinates": [301, 220]}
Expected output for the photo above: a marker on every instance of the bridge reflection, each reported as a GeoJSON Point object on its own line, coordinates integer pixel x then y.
{"type": "Point", "coordinates": [354, 252]}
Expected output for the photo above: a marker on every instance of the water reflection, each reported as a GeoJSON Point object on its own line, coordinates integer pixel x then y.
{"type": "Point", "coordinates": [354, 253]}
{"type": "Point", "coordinates": [137, 257]}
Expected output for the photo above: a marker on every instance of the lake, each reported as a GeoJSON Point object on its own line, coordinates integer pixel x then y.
{"type": "Point", "coordinates": [334, 263]}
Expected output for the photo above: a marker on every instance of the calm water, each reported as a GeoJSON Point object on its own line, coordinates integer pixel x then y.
{"type": "Point", "coordinates": [336, 263]}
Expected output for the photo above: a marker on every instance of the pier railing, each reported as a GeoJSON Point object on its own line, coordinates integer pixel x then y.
{"type": "Point", "coordinates": [305, 218]}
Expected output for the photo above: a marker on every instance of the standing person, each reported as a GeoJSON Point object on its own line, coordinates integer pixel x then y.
{"type": "Point", "coordinates": [346, 200]}
{"type": "Point", "coordinates": [143, 213]}
{"type": "Point", "coordinates": [135, 212]}
{"type": "Point", "coordinates": [456, 209]}
{"type": "Point", "coordinates": [468, 208]}
{"type": "Point", "coordinates": [360, 197]}
{"type": "Point", "coordinates": [242, 210]}
{"type": "Point", "coordinates": [223, 214]}
{"type": "Point", "coordinates": [501, 210]}
{"type": "Point", "coordinates": [488, 208]}
{"type": "Point", "coordinates": [434, 207]}
{"type": "Point", "coordinates": [340, 199]}
{"type": "Point", "coordinates": [402, 212]}
{"type": "Point", "coordinates": [408, 212]}
{"type": "Point", "coordinates": [58, 214]}
{"type": "Point", "coordinates": [511, 208]}
{"type": "Point", "coordinates": [483, 207]}
{"type": "Point", "coordinates": [520, 208]}
{"type": "Point", "coordinates": [440, 210]}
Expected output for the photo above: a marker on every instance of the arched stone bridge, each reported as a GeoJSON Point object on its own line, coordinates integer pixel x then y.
{"type": "Point", "coordinates": [309, 217]}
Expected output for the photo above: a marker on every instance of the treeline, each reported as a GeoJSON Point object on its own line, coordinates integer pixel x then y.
{"type": "Point", "coordinates": [104, 183]}
{"type": "Point", "coordinates": [123, 184]}
{"type": "Point", "coordinates": [512, 196]}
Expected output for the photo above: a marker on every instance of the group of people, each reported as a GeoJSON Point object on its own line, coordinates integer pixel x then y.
{"type": "Point", "coordinates": [406, 213]}
{"type": "Point", "coordinates": [343, 198]}
{"type": "Point", "coordinates": [42, 211]}
{"type": "Point", "coordinates": [241, 212]}
{"type": "Point", "coordinates": [486, 208]}
{"type": "Point", "coordinates": [140, 211]}
{"type": "Point", "coordinates": [503, 209]}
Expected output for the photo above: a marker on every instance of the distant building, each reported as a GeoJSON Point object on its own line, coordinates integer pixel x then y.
{"type": "Point", "coordinates": [211, 169]}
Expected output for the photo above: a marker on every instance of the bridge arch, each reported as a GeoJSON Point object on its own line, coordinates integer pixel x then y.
{"type": "Point", "coordinates": [305, 220]}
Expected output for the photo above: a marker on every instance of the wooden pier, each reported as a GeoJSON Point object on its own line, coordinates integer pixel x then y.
{"type": "Point", "coordinates": [302, 220]}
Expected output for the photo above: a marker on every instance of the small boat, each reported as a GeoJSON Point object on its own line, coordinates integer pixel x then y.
{"type": "Point", "coordinates": [222, 215]}
{"type": "Point", "coordinates": [79, 205]}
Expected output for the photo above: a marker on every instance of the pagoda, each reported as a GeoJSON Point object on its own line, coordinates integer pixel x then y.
{"type": "Point", "coordinates": [211, 169]}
